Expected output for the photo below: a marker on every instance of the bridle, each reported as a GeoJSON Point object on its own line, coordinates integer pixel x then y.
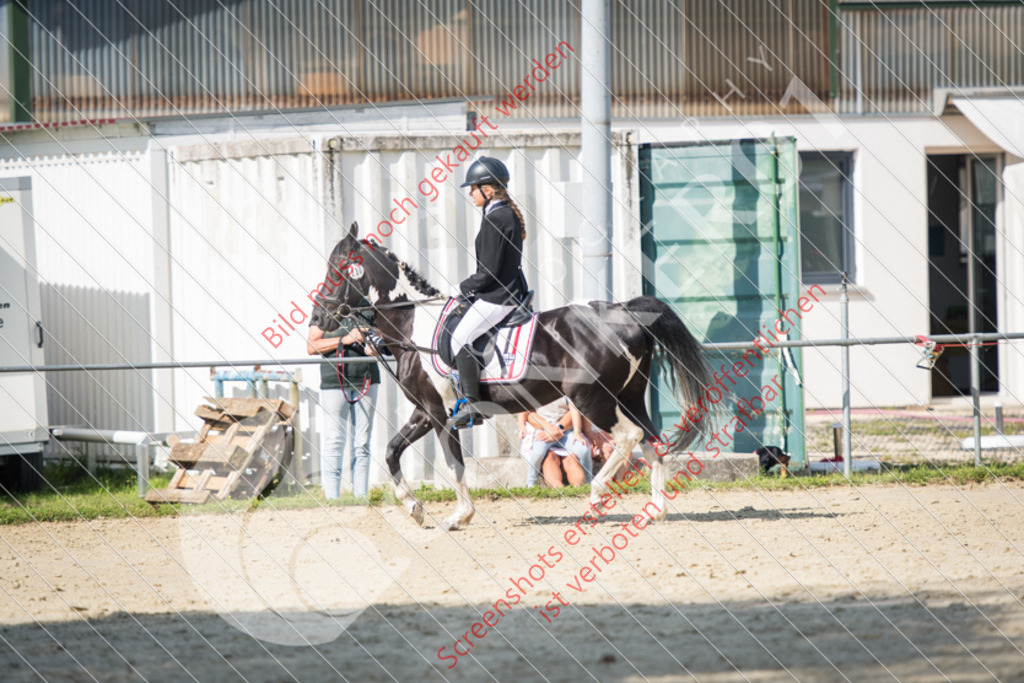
{"type": "Point", "coordinates": [344, 310]}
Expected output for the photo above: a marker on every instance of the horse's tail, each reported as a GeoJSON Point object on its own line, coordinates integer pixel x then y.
{"type": "Point", "coordinates": [689, 376]}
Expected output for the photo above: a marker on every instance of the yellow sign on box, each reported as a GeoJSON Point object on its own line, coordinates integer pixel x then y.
{"type": "Point", "coordinates": [6, 200]}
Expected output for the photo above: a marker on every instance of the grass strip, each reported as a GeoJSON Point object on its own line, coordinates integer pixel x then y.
{"type": "Point", "coordinates": [70, 494]}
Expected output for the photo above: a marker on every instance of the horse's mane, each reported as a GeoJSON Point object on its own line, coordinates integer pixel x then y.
{"type": "Point", "coordinates": [415, 279]}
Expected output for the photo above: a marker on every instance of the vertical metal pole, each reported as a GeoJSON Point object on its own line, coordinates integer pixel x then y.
{"type": "Point", "coordinates": [844, 305]}
{"type": "Point", "coordinates": [20, 67]}
{"type": "Point", "coordinates": [976, 396]}
{"type": "Point", "coordinates": [972, 318]}
{"type": "Point", "coordinates": [142, 467]}
{"type": "Point", "coordinates": [293, 396]}
{"type": "Point", "coordinates": [833, 49]}
{"type": "Point", "coordinates": [596, 150]}
{"type": "Point", "coordinates": [999, 418]}
{"type": "Point", "coordinates": [90, 457]}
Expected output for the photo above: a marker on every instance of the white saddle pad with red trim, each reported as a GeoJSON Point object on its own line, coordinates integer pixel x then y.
{"type": "Point", "coordinates": [512, 346]}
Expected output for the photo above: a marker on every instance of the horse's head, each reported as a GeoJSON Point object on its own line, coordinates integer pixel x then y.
{"type": "Point", "coordinates": [360, 271]}
{"type": "Point", "coordinates": [357, 272]}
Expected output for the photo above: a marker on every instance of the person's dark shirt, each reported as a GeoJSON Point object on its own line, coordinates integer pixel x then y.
{"type": "Point", "coordinates": [353, 374]}
{"type": "Point", "coordinates": [499, 258]}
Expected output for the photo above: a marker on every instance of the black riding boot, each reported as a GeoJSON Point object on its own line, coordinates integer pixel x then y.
{"type": "Point", "coordinates": [469, 378]}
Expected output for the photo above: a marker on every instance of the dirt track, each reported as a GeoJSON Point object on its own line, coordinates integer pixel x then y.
{"type": "Point", "coordinates": [916, 583]}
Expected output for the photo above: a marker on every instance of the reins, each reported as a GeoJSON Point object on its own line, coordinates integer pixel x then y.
{"type": "Point", "coordinates": [346, 311]}
{"type": "Point", "coordinates": [367, 379]}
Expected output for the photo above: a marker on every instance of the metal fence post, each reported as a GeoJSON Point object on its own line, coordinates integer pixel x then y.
{"type": "Point", "coordinates": [976, 396]}
{"type": "Point", "coordinates": [142, 466]}
{"type": "Point", "coordinates": [293, 395]}
{"type": "Point", "coordinates": [844, 305]}
{"type": "Point", "coordinates": [90, 458]}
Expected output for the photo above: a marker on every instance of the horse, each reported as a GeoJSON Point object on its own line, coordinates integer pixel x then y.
{"type": "Point", "coordinates": [598, 354]}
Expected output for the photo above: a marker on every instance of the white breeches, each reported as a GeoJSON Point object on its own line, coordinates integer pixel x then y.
{"type": "Point", "coordinates": [480, 317]}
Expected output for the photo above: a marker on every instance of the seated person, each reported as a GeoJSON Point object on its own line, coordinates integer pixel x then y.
{"type": "Point", "coordinates": [561, 468]}
{"type": "Point", "coordinates": [557, 425]}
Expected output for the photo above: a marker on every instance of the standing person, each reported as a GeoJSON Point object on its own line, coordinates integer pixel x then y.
{"type": "Point", "coordinates": [348, 397]}
{"type": "Point", "coordinates": [498, 284]}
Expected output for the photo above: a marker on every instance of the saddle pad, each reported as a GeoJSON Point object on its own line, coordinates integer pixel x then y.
{"type": "Point", "coordinates": [513, 345]}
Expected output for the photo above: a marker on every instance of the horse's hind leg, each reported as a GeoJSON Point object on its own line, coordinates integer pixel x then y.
{"type": "Point", "coordinates": [464, 510]}
{"type": "Point", "coordinates": [626, 435]}
{"type": "Point", "coordinates": [657, 481]}
{"type": "Point", "coordinates": [418, 425]}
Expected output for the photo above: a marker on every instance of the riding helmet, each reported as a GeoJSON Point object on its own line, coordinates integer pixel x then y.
{"type": "Point", "coordinates": [487, 171]}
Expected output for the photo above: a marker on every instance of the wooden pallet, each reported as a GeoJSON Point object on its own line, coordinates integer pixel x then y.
{"type": "Point", "coordinates": [242, 444]}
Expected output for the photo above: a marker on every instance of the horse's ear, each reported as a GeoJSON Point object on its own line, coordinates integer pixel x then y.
{"type": "Point", "coordinates": [353, 231]}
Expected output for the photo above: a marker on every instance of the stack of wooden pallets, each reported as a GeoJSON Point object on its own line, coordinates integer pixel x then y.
{"type": "Point", "coordinates": [242, 445]}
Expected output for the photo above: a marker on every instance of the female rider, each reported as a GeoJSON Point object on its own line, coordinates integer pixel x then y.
{"type": "Point", "coordinates": [498, 284]}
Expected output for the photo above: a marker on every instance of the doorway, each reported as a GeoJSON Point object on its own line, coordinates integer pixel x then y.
{"type": "Point", "coordinates": [963, 195]}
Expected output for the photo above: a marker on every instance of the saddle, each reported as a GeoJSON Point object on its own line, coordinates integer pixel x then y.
{"type": "Point", "coordinates": [514, 334]}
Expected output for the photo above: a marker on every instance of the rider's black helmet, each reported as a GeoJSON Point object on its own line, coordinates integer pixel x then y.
{"type": "Point", "coordinates": [486, 171]}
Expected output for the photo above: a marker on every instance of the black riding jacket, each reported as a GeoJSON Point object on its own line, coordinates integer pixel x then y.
{"type": "Point", "coordinates": [499, 275]}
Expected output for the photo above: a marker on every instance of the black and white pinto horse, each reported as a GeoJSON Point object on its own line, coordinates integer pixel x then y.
{"type": "Point", "coordinates": [597, 354]}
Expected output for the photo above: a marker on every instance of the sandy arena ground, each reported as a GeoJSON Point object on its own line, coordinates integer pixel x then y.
{"type": "Point", "coordinates": [827, 584]}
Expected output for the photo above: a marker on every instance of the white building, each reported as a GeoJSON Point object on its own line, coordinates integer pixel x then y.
{"type": "Point", "coordinates": [181, 238]}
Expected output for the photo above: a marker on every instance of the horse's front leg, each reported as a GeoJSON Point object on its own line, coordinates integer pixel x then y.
{"type": "Point", "coordinates": [418, 425]}
{"type": "Point", "coordinates": [464, 510]}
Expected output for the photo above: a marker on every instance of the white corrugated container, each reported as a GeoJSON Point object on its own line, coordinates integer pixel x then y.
{"type": "Point", "coordinates": [252, 224]}
{"type": "Point", "coordinates": [92, 193]}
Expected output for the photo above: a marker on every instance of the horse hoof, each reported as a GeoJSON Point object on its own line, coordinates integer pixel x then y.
{"type": "Point", "coordinates": [417, 513]}
{"type": "Point", "coordinates": [661, 515]}
{"type": "Point", "coordinates": [451, 524]}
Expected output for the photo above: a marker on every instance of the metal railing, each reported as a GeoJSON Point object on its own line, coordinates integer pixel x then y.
{"type": "Point", "coordinates": [244, 372]}
{"type": "Point", "coordinates": [142, 441]}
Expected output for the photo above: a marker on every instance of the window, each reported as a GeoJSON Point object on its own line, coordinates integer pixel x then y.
{"type": "Point", "coordinates": [826, 217]}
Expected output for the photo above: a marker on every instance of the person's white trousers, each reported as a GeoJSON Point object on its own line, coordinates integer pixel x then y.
{"type": "Point", "coordinates": [480, 317]}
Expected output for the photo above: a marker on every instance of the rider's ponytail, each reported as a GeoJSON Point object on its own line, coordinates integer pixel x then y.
{"type": "Point", "coordinates": [502, 194]}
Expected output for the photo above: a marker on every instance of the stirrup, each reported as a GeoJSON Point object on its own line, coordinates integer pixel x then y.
{"type": "Point", "coordinates": [469, 417]}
